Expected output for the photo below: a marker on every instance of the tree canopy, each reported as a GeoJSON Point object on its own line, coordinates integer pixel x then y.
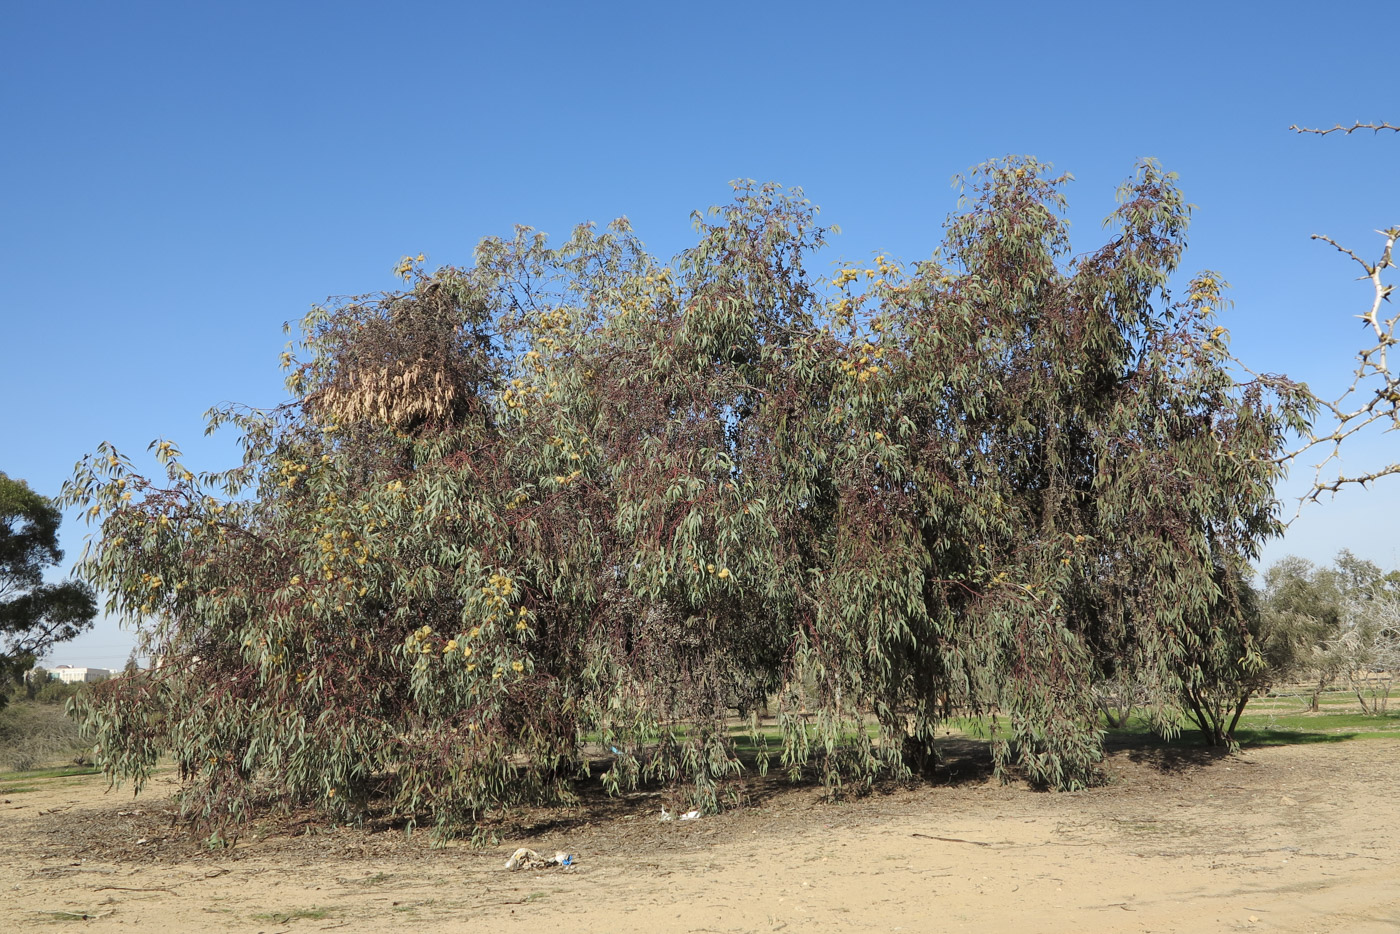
{"type": "Point", "coordinates": [575, 495]}
{"type": "Point", "coordinates": [34, 615]}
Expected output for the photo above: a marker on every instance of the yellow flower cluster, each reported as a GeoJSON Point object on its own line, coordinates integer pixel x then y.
{"type": "Point", "coordinates": [291, 472]}
{"type": "Point", "coordinates": [405, 267]}
{"type": "Point", "coordinates": [865, 363]}
{"type": "Point", "coordinates": [851, 275]}
{"type": "Point", "coordinates": [498, 590]}
{"type": "Point", "coordinates": [556, 321]}
{"type": "Point", "coordinates": [345, 547]}
{"type": "Point", "coordinates": [1205, 292]}
{"type": "Point", "coordinates": [519, 395]}
{"type": "Point", "coordinates": [574, 455]}
{"type": "Point", "coordinates": [419, 640]}
{"type": "Point", "coordinates": [645, 292]}
{"type": "Point", "coordinates": [457, 644]}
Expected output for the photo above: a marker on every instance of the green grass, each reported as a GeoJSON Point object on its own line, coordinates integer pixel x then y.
{"type": "Point", "coordinates": [59, 917]}
{"type": "Point", "coordinates": [17, 783]}
{"type": "Point", "coordinates": [1310, 722]}
{"type": "Point", "coordinates": [1269, 721]}
{"type": "Point", "coordinates": [1294, 705]}
{"type": "Point", "coordinates": [1264, 727]}
{"type": "Point", "coordinates": [62, 771]}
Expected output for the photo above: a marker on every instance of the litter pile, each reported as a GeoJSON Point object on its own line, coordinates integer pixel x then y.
{"type": "Point", "coordinates": [526, 858]}
{"type": "Point", "coordinates": [688, 815]}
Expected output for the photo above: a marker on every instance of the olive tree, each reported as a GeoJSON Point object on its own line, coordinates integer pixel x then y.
{"type": "Point", "coordinates": [1367, 650]}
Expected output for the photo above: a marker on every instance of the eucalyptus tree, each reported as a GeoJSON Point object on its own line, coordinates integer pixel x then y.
{"type": "Point", "coordinates": [573, 498]}
{"type": "Point", "coordinates": [1056, 477]}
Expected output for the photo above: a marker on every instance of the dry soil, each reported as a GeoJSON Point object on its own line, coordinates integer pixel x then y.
{"type": "Point", "coordinates": [1294, 838]}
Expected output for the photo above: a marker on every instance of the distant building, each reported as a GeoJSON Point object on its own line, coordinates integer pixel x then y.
{"type": "Point", "coordinates": [70, 675]}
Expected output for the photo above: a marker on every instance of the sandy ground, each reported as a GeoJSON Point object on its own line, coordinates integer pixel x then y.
{"type": "Point", "coordinates": [1296, 838]}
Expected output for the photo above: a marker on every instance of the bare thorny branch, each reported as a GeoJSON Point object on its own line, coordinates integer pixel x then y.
{"type": "Point", "coordinates": [1347, 130]}
{"type": "Point", "coordinates": [1374, 393]}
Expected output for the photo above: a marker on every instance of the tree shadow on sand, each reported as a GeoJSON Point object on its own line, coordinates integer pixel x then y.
{"type": "Point", "coordinates": [1189, 751]}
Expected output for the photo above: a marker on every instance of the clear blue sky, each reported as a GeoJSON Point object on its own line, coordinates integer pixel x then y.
{"type": "Point", "coordinates": [182, 178]}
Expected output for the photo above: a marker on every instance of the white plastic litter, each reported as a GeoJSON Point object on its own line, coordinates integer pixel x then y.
{"type": "Point", "coordinates": [688, 815]}
{"type": "Point", "coordinates": [526, 858]}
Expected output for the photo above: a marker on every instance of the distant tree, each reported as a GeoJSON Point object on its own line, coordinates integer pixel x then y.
{"type": "Point", "coordinates": [1368, 650]}
{"type": "Point", "coordinates": [34, 615]}
{"type": "Point", "coordinates": [1335, 616]}
{"type": "Point", "coordinates": [1307, 600]}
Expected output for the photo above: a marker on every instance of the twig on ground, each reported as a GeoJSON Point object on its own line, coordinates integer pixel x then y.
{"type": "Point", "coordinates": [927, 836]}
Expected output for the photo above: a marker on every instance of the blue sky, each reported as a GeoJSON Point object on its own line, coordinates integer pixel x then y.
{"type": "Point", "coordinates": [180, 179]}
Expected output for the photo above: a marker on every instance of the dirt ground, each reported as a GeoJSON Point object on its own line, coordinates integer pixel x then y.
{"type": "Point", "coordinates": [1292, 838]}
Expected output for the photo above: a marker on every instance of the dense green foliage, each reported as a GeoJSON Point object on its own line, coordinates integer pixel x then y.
{"type": "Point", "coordinates": [575, 492]}
{"type": "Point", "coordinates": [1263, 653]}
{"type": "Point", "coordinates": [33, 615]}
